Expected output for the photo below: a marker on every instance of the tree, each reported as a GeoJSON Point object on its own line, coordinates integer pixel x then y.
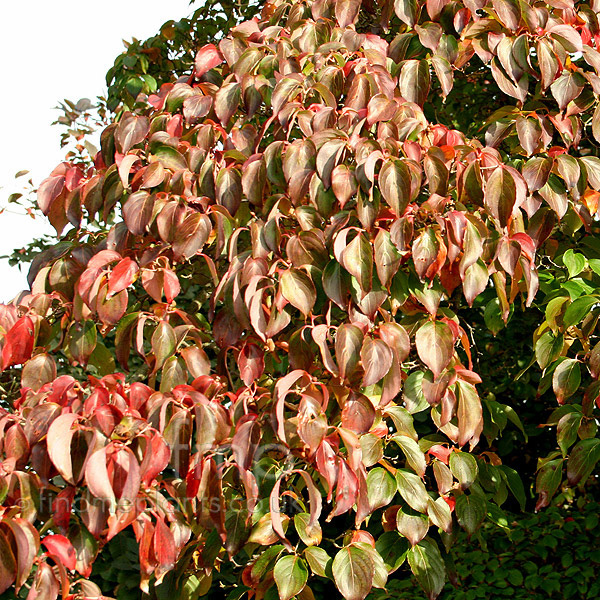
{"type": "Point", "coordinates": [264, 343]}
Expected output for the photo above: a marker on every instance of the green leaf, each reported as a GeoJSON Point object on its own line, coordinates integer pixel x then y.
{"type": "Point", "coordinates": [353, 571]}
{"type": "Point", "coordinates": [566, 431]}
{"type": "Point", "coordinates": [583, 459]}
{"type": "Point", "coordinates": [515, 484]}
{"type": "Point", "coordinates": [319, 561]}
{"type": "Point", "coordinates": [428, 567]}
{"type": "Point", "coordinates": [298, 289]}
{"type": "Point", "coordinates": [412, 489]}
{"type": "Point", "coordinates": [578, 309]}
{"type": "Point", "coordinates": [470, 512]}
{"type": "Point", "coordinates": [290, 574]}
{"type": "Point", "coordinates": [566, 379]}
{"type": "Point", "coordinates": [394, 183]}
{"type": "Point", "coordinates": [548, 348]}
{"type": "Point", "coordinates": [381, 488]}
{"type": "Point", "coordinates": [574, 261]}
{"type": "Point", "coordinates": [310, 535]}
{"type": "Point", "coordinates": [82, 340]}
{"type": "Point", "coordinates": [414, 455]}
{"type": "Point", "coordinates": [393, 549]}
{"type": "Point", "coordinates": [464, 467]}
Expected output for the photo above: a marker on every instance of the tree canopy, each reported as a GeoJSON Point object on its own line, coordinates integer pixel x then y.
{"type": "Point", "coordinates": [310, 303]}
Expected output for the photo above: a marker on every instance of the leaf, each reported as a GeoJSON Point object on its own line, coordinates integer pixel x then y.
{"type": "Point", "coordinates": [500, 195]}
{"type": "Point", "coordinates": [529, 132]}
{"type": "Point", "coordinates": [82, 340]}
{"type": "Point", "coordinates": [548, 348]}
{"type": "Point", "coordinates": [27, 542]}
{"type": "Point", "coordinates": [427, 565]}
{"type": "Point", "coordinates": [381, 488]}
{"type": "Point", "coordinates": [290, 574]}
{"type": "Point", "coordinates": [566, 379]}
{"type": "Point", "coordinates": [583, 460]}
{"type": "Point", "coordinates": [207, 58]}
{"type": "Point", "coordinates": [18, 343]}
{"type": "Point", "coordinates": [435, 345]}
{"type": "Point", "coordinates": [469, 414]}
{"type": "Point", "coordinates": [8, 566]}
{"type": "Point", "coordinates": [475, 281]}
{"type": "Point", "coordinates": [227, 101]}
{"type": "Point", "coordinates": [414, 455]}
{"type": "Point", "coordinates": [58, 440]}
{"type": "Point", "coordinates": [406, 10]}
{"type": "Point", "coordinates": [334, 283]}
{"type": "Point", "coordinates": [138, 212]}
{"type": "Point", "coordinates": [311, 535]}
{"type": "Point", "coordinates": [49, 190]}
{"type": "Point", "coordinates": [376, 358]}
{"type": "Point", "coordinates": [414, 79]}
{"type": "Point", "coordinates": [357, 259]}
{"type": "Point", "coordinates": [470, 512]}
{"type": "Point", "coordinates": [578, 309]}
{"type": "Point", "coordinates": [353, 571]}
{"type": "Point", "coordinates": [346, 12]}
{"type": "Point", "coordinates": [245, 443]}
{"type": "Point", "coordinates": [131, 130]}
{"type": "Point", "coordinates": [412, 489]}
{"type": "Point", "coordinates": [536, 171]}
{"type": "Point", "coordinates": [298, 289]}
{"type": "Point", "coordinates": [319, 561]}
{"type": "Point", "coordinates": [444, 73]}
{"type": "Point", "coordinates": [464, 467]}
{"type": "Point", "coordinates": [62, 548]}
{"type": "Point", "coordinates": [396, 337]}
{"type": "Point", "coordinates": [439, 513]}
{"type": "Point", "coordinates": [387, 258]}
{"type": "Point", "coordinates": [574, 261]}
{"type": "Point", "coordinates": [394, 183]}
{"type": "Point", "coordinates": [343, 184]}
{"type": "Point", "coordinates": [566, 430]}
{"type": "Point", "coordinates": [164, 343]}
{"type": "Point", "coordinates": [192, 235]}
{"type": "Point", "coordinates": [547, 481]}
{"type": "Point", "coordinates": [413, 527]}
{"type": "Point", "coordinates": [122, 276]}
{"type": "Point", "coordinates": [348, 344]}
{"type": "Point", "coordinates": [567, 87]}
{"type": "Point", "coordinates": [38, 370]}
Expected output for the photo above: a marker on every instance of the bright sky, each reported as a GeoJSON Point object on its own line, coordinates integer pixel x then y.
{"type": "Point", "coordinates": [52, 51]}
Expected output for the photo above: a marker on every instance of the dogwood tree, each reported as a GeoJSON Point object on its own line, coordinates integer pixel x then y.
{"type": "Point", "coordinates": [263, 341]}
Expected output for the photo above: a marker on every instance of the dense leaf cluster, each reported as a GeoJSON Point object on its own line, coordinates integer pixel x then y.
{"type": "Point", "coordinates": [257, 346]}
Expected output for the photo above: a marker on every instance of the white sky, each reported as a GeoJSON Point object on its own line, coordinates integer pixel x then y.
{"type": "Point", "coordinates": [52, 50]}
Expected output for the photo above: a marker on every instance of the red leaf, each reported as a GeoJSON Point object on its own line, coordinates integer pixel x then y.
{"type": "Point", "coordinates": [48, 191]}
{"type": "Point", "coordinates": [207, 58]}
{"type": "Point", "coordinates": [251, 363]}
{"type": "Point", "coordinates": [245, 442]}
{"type": "Point", "coordinates": [18, 343]}
{"type": "Point", "coordinates": [59, 547]}
{"type": "Point", "coordinates": [27, 542]}
{"type": "Point", "coordinates": [8, 567]}
{"type": "Point", "coordinates": [165, 551]}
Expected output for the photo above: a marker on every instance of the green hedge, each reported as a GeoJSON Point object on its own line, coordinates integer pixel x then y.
{"type": "Point", "coordinates": [553, 554]}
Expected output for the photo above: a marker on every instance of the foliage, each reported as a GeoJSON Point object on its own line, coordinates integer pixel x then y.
{"type": "Point", "coordinates": [268, 343]}
{"type": "Point", "coordinates": [553, 554]}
